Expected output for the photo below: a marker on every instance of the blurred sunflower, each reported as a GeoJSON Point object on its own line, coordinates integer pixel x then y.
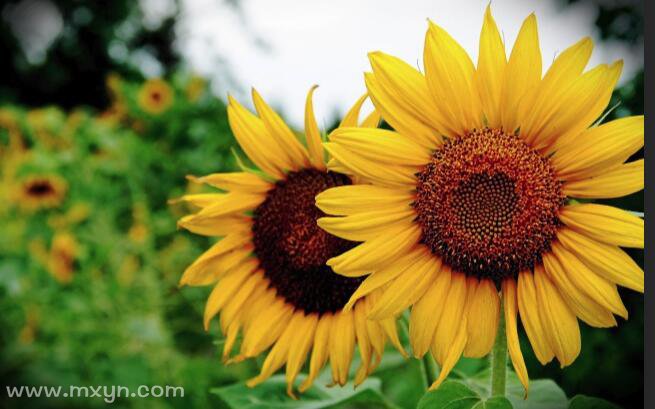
{"type": "Point", "coordinates": [473, 193]}
{"type": "Point", "coordinates": [62, 255]}
{"type": "Point", "coordinates": [270, 266]}
{"type": "Point", "coordinates": [195, 88]}
{"type": "Point", "coordinates": [155, 96]}
{"type": "Point", "coordinates": [41, 192]}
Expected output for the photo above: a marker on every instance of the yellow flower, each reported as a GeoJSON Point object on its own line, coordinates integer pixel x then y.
{"type": "Point", "coordinates": [62, 255]}
{"type": "Point", "coordinates": [155, 96]}
{"type": "Point", "coordinates": [41, 192]}
{"type": "Point", "coordinates": [269, 271]}
{"type": "Point", "coordinates": [195, 88]}
{"type": "Point", "coordinates": [471, 194]}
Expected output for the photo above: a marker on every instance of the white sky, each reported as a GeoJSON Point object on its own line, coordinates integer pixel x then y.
{"type": "Point", "coordinates": [325, 42]}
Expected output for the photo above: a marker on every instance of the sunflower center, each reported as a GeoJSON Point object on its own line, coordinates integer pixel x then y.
{"type": "Point", "coordinates": [39, 188]}
{"type": "Point", "coordinates": [487, 203]}
{"type": "Point", "coordinates": [292, 249]}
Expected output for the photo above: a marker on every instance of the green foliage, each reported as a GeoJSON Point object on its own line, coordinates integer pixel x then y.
{"type": "Point", "coordinates": [456, 395]}
{"type": "Point", "coordinates": [104, 309]}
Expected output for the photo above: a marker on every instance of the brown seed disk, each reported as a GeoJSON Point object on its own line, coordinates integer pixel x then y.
{"type": "Point", "coordinates": [292, 249]}
{"type": "Point", "coordinates": [487, 204]}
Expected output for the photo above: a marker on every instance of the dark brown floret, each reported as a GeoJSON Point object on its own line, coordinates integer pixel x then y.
{"type": "Point", "coordinates": [292, 249]}
{"type": "Point", "coordinates": [487, 203]}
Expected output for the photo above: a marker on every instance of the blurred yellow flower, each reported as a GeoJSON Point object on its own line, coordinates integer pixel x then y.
{"type": "Point", "coordinates": [61, 258]}
{"type": "Point", "coordinates": [195, 88]}
{"type": "Point", "coordinates": [41, 192]}
{"type": "Point", "coordinates": [28, 332]}
{"type": "Point", "coordinates": [155, 96]}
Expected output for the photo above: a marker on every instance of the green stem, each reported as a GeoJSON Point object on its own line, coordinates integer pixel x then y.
{"type": "Point", "coordinates": [430, 369]}
{"type": "Point", "coordinates": [499, 359]}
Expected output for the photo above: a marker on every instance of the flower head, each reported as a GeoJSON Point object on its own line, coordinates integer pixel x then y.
{"type": "Point", "coordinates": [155, 96]}
{"type": "Point", "coordinates": [471, 198]}
{"type": "Point", "coordinates": [271, 280]}
{"type": "Point", "coordinates": [41, 192]}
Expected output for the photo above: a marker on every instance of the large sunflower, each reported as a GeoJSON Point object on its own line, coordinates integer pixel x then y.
{"type": "Point", "coordinates": [270, 273]}
{"type": "Point", "coordinates": [474, 192]}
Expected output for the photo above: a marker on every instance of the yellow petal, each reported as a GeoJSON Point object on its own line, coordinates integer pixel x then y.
{"type": "Point", "coordinates": [280, 351]}
{"type": "Point", "coordinates": [200, 270]}
{"type": "Point", "coordinates": [529, 310]}
{"type": "Point", "coordinates": [582, 112]}
{"type": "Point", "coordinates": [452, 354]}
{"type": "Point", "coordinates": [549, 99]}
{"type": "Point", "coordinates": [312, 134]}
{"type": "Point", "coordinates": [253, 138]}
{"type": "Point", "coordinates": [583, 306]}
{"type": "Point", "coordinates": [342, 346]}
{"type": "Point", "coordinates": [386, 175]}
{"type": "Point", "coordinates": [217, 226]}
{"type": "Point", "coordinates": [451, 79]}
{"type": "Point", "coordinates": [265, 328]}
{"type": "Point", "coordinates": [510, 303]}
{"type": "Point", "coordinates": [299, 346]}
{"type": "Point", "coordinates": [398, 117]}
{"type": "Point", "coordinates": [235, 304]}
{"type": "Point", "coordinates": [604, 259]}
{"type": "Point", "coordinates": [225, 289]}
{"type": "Point", "coordinates": [404, 290]}
{"type": "Point", "coordinates": [238, 181]}
{"type": "Point", "coordinates": [411, 91]}
{"type": "Point", "coordinates": [620, 181]}
{"type": "Point", "coordinates": [483, 316]}
{"type": "Point", "coordinates": [599, 289]}
{"type": "Point", "coordinates": [361, 333]}
{"type": "Point", "coordinates": [375, 253]}
{"type": "Point", "coordinates": [601, 148]}
{"type": "Point", "coordinates": [426, 313]}
{"type": "Point", "coordinates": [386, 274]}
{"type": "Point", "coordinates": [372, 120]}
{"type": "Point", "coordinates": [381, 145]}
{"type": "Point", "coordinates": [491, 68]}
{"type": "Point", "coordinates": [367, 225]}
{"type": "Point", "coordinates": [351, 119]}
{"type": "Point", "coordinates": [201, 200]}
{"type": "Point", "coordinates": [452, 318]}
{"type": "Point", "coordinates": [522, 75]}
{"type": "Point", "coordinates": [231, 203]}
{"type": "Point", "coordinates": [353, 199]}
{"type": "Point", "coordinates": [560, 325]}
{"type": "Point", "coordinates": [319, 350]}
{"type": "Point", "coordinates": [605, 223]}
{"type": "Point", "coordinates": [281, 133]}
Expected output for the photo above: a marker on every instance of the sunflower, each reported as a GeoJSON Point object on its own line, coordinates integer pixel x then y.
{"type": "Point", "coordinates": [41, 192]}
{"type": "Point", "coordinates": [472, 198]}
{"type": "Point", "coordinates": [62, 256]}
{"type": "Point", "coordinates": [155, 96]}
{"type": "Point", "coordinates": [269, 271]}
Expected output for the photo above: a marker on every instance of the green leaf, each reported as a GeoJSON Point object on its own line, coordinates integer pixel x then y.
{"type": "Point", "coordinates": [588, 402]}
{"type": "Point", "coordinates": [272, 395]}
{"type": "Point", "coordinates": [543, 394]}
{"type": "Point", "coordinates": [456, 395]}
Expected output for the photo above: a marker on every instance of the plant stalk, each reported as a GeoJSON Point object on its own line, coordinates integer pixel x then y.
{"type": "Point", "coordinates": [499, 359]}
{"type": "Point", "coordinates": [430, 369]}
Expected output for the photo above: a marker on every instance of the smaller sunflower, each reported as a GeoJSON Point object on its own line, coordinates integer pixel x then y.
{"type": "Point", "coordinates": [155, 96]}
{"type": "Point", "coordinates": [61, 258]}
{"type": "Point", "coordinates": [41, 192]}
{"type": "Point", "coordinates": [271, 280]}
